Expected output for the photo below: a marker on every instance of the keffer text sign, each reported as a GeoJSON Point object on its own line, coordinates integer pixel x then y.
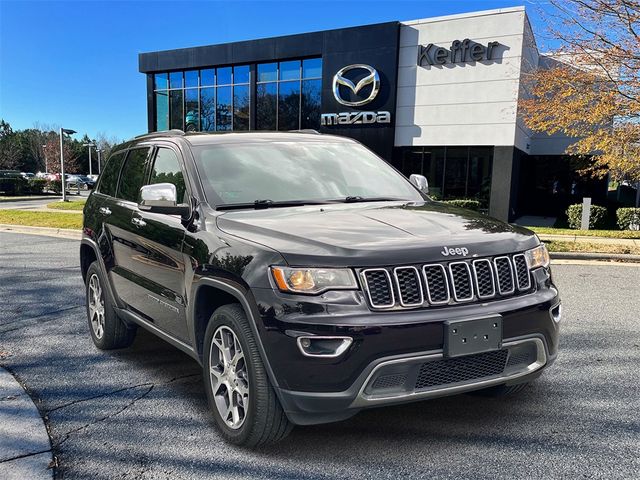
{"type": "Point", "coordinates": [460, 52]}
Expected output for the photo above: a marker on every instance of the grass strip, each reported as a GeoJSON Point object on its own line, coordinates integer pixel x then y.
{"type": "Point", "coordinates": [587, 233]}
{"type": "Point", "coordinates": [561, 246]}
{"type": "Point", "coordinates": [41, 219]}
{"type": "Point", "coordinates": [71, 205]}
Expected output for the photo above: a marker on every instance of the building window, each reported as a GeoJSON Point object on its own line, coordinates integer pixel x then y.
{"type": "Point", "coordinates": [452, 172]}
{"type": "Point", "coordinates": [208, 100]}
{"type": "Point", "coordinates": [219, 99]}
{"type": "Point", "coordinates": [288, 94]}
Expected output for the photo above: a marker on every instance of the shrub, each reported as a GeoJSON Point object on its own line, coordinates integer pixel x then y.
{"type": "Point", "coordinates": [597, 218]}
{"type": "Point", "coordinates": [54, 185]}
{"type": "Point", "coordinates": [628, 218]}
{"type": "Point", "coordinates": [12, 185]}
{"type": "Point", "coordinates": [36, 186]}
{"type": "Point", "coordinates": [465, 203]}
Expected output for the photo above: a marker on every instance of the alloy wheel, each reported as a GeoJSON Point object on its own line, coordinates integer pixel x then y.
{"type": "Point", "coordinates": [96, 306]}
{"type": "Point", "coordinates": [229, 377]}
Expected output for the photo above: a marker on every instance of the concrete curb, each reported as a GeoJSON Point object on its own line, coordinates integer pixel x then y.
{"type": "Point", "coordinates": [621, 257]}
{"type": "Point", "coordinates": [26, 199]}
{"type": "Point", "coordinates": [25, 447]}
{"type": "Point", "coordinates": [46, 231]}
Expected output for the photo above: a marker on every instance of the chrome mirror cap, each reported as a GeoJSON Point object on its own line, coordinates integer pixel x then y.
{"type": "Point", "coordinates": [420, 182]}
{"type": "Point", "coordinates": [158, 195]}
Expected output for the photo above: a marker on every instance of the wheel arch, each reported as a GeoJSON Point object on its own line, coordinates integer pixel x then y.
{"type": "Point", "coordinates": [90, 252]}
{"type": "Point", "coordinates": [210, 294]}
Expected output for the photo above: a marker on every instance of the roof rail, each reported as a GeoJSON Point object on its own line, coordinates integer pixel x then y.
{"type": "Point", "coordinates": [306, 130]}
{"type": "Point", "coordinates": [165, 133]}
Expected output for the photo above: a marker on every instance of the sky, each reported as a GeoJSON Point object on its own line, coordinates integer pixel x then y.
{"type": "Point", "coordinates": [75, 63]}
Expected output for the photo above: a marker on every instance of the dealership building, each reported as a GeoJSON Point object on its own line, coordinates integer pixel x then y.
{"type": "Point", "coordinates": [436, 96]}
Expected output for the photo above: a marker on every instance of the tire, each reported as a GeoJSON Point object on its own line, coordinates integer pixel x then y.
{"type": "Point", "coordinates": [107, 330]}
{"type": "Point", "coordinates": [258, 418]}
{"type": "Point", "coordinates": [501, 390]}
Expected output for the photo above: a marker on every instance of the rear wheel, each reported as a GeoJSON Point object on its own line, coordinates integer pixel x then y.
{"type": "Point", "coordinates": [244, 405]}
{"type": "Point", "coordinates": [107, 330]}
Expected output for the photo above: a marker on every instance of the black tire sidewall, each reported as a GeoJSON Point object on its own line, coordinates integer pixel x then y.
{"type": "Point", "coordinates": [110, 315]}
{"type": "Point", "coordinates": [218, 319]}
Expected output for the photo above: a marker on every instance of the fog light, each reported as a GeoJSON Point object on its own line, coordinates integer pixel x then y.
{"type": "Point", "coordinates": [556, 313]}
{"type": "Point", "coordinates": [323, 347]}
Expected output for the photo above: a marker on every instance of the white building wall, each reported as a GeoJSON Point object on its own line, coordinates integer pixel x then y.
{"type": "Point", "coordinates": [472, 103]}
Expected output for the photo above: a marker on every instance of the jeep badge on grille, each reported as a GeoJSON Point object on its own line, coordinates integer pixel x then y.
{"type": "Point", "coordinates": [455, 251]}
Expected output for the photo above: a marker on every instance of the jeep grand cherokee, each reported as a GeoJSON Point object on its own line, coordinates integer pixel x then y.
{"type": "Point", "coordinates": [309, 278]}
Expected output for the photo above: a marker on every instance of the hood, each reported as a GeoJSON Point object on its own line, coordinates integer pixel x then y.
{"type": "Point", "coordinates": [380, 233]}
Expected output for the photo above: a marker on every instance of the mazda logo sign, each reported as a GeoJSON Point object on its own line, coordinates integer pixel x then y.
{"type": "Point", "coordinates": [372, 78]}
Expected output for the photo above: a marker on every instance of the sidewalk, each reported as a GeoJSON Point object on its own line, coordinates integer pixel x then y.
{"type": "Point", "coordinates": [25, 449]}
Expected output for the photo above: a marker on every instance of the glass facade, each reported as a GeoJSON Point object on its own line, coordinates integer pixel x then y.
{"type": "Point", "coordinates": [452, 172]}
{"type": "Point", "coordinates": [287, 97]}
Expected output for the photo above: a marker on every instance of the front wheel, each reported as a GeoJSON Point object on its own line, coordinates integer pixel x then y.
{"type": "Point", "coordinates": [245, 407]}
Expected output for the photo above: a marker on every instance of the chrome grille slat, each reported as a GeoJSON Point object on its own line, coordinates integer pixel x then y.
{"type": "Point", "coordinates": [410, 291]}
{"type": "Point", "coordinates": [461, 283]}
{"type": "Point", "coordinates": [483, 275]}
{"type": "Point", "coordinates": [437, 284]}
{"type": "Point", "coordinates": [523, 277]}
{"type": "Point", "coordinates": [379, 287]}
{"type": "Point", "coordinates": [504, 275]}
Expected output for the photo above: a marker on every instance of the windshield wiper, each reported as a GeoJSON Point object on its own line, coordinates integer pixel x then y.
{"type": "Point", "coordinates": [357, 199]}
{"type": "Point", "coordinates": [267, 203]}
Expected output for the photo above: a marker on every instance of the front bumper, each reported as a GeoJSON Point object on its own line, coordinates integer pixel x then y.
{"type": "Point", "coordinates": [403, 379]}
{"type": "Point", "coordinates": [394, 345]}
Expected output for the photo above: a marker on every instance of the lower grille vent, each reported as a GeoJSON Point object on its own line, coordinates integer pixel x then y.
{"type": "Point", "coordinates": [461, 369]}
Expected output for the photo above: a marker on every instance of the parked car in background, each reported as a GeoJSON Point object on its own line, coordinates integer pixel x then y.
{"type": "Point", "coordinates": [73, 184]}
{"type": "Point", "coordinates": [9, 173]}
{"type": "Point", "coordinates": [28, 175]}
{"type": "Point", "coordinates": [83, 181]}
{"type": "Point", "coordinates": [93, 177]}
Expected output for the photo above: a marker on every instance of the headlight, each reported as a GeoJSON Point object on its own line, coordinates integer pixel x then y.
{"type": "Point", "coordinates": [313, 280]}
{"type": "Point", "coordinates": [537, 257]}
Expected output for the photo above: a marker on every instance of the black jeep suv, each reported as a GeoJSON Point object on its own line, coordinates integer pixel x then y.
{"type": "Point", "coordinates": [309, 278]}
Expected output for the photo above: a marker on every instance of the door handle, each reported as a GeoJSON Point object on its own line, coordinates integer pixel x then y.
{"type": "Point", "coordinates": [104, 211]}
{"type": "Point", "coordinates": [138, 222]}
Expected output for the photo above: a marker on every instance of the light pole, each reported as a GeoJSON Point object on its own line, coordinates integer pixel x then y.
{"type": "Point", "coordinates": [89, 145]}
{"type": "Point", "coordinates": [68, 132]}
{"type": "Point", "coordinates": [99, 150]}
{"type": "Point", "coordinates": [44, 151]}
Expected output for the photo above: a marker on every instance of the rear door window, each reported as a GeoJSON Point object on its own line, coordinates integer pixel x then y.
{"type": "Point", "coordinates": [109, 176]}
{"type": "Point", "coordinates": [132, 176]}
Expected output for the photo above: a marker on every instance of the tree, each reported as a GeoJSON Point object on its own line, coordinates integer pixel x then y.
{"type": "Point", "coordinates": [52, 152]}
{"type": "Point", "coordinates": [592, 89]}
{"type": "Point", "coordinates": [9, 149]}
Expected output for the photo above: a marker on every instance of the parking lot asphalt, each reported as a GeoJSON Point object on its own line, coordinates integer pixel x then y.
{"type": "Point", "coordinates": [141, 413]}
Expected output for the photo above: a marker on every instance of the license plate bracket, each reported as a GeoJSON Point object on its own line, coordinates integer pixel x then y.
{"type": "Point", "coordinates": [466, 337]}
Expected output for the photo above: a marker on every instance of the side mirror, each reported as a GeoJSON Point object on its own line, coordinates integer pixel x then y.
{"type": "Point", "coordinates": [162, 198]}
{"type": "Point", "coordinates": [420, 182]}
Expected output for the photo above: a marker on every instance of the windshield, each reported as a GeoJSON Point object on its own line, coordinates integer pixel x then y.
{"type": "Point", "coordinates": [297, 171]}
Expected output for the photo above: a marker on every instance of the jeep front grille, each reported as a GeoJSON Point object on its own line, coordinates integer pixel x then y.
{"type": "Point", "coordinates": [463, 281]}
